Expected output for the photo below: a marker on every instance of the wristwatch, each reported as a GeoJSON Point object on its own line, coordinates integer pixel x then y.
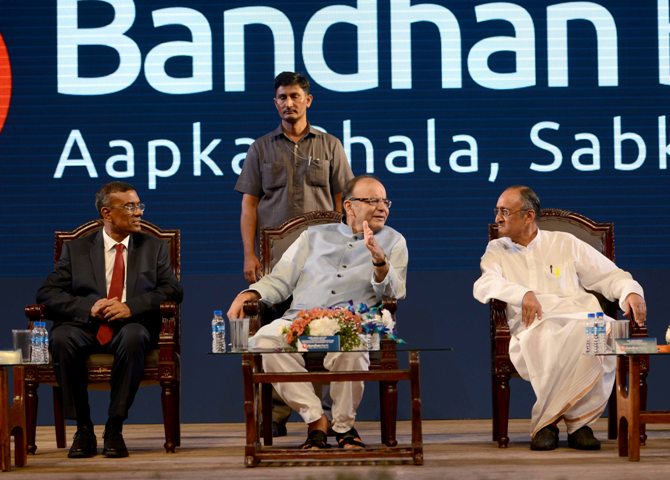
{"type": "Point", "coordinates": [380, 264]}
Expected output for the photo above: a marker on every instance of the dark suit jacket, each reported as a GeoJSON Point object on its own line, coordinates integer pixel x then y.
{"type": "Point", "coordinates": [79, 281]}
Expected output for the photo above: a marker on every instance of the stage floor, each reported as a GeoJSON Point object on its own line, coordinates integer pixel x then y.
{"type": "Point", "coordinates": [459, 449]}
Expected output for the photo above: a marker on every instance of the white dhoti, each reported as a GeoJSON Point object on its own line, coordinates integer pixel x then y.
{"type": "Point", "coordinates": [567, 383]}
{"type": "Point", "coordinates": [301, 397]}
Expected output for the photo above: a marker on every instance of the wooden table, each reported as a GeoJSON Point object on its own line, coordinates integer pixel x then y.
{"type": "Point", "coordinates": [254, 377]}
{"type": "Point", "coordinates": [630, 418]}
{"type": "Point", "coordinates": [12, 419]}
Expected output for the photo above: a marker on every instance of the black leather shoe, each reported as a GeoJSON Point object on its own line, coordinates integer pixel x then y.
{"type": "Point", "coordinates": [583, 439]}
{"type": "Point", "coordinates": [279, 429]}
{"type": "Point", "coordinates": [114, 446]}
{"type": "Point", "coordinates": [545, 439]}
{"type": "Point", "coordinates": [84, 444]}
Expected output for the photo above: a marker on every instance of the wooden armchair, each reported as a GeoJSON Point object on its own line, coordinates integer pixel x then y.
{"type": "Point", "coordinates": [601, 237]}
{"type": "Point", "coordinates": [274, 242]}
{"type": "Point", "coordinates": [162, 363]}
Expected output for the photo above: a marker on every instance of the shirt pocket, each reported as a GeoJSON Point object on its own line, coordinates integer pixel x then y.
{"type": "Point", "coordinates": [318, 172]}
{"type": "Point", "coordinates": [559, 279]}
{"type": "Point", "coordinates": [273, 175]}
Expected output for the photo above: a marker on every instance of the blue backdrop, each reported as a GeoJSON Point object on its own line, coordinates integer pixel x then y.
{"type": "Point", "coordinates": [447, 102]}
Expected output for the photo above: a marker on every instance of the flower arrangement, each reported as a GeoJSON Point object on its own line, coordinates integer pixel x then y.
{"type": "Point", "coordinates": [349, 323]}
{"type": "Point", "coordinates": [378, 320]}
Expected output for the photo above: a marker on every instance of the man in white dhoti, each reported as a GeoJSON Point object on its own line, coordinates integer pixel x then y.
{"type": "Point", "coordinates": [543, 276]}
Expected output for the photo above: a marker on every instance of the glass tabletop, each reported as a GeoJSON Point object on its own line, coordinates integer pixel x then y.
{"type": "Point", "coordinates": [12, 358]}
{"type": "Point", "coordinates": [659, 350]}
{"type": "Point", "coordinates": [398, 348]}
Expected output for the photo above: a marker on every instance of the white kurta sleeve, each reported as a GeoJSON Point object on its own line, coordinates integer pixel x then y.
{"type": "Point", "coordinates": [493, 284]}
{"type": "Point", "coordinates": [598, 273]}
{"type": "Point", "coordinates": [393, 284]}
{"type": "Point", "coordinates": [279, 284]}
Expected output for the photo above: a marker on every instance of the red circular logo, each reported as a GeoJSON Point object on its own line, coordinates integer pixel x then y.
{"type": "Point", "coordinates": [5, 82]}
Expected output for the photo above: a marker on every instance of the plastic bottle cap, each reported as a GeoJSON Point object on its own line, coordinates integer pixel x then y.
{"type": "Point", "coordinates": [218, 312]}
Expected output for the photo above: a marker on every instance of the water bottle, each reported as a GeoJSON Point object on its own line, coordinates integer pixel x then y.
{"type": "Point", "coordinates": [589, 348]}
{"type": "Point", "coordinates": [35, 343]}
{"type": "Point", "coordinates": [44, 343]}
{"type": "Point", "coordinates": [39, 343]}
{"type": "Point", "coordinates": [601, 333]}
{"type": "Point", "coordinates": [596, 336]}
{"type": "Point", "coordinates": [218, 332]}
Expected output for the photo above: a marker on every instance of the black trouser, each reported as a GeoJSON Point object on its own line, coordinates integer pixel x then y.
{"type": "Point", "coordinates": [70, 346]}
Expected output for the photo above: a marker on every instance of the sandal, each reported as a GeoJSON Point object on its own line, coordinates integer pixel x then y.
{"type": "Point", "coordinates": [350, 438]}
{"type": "Point", "coordinates": [316, 440]}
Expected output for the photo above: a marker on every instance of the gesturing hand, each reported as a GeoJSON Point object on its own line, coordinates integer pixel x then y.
{"type": "Point", "coordinates": [376, 251]}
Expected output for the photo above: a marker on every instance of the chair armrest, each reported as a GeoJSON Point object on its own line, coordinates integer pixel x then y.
{"type": "Point", "coordinates": [390, 304]}
{"type": "Point", "coordinates": [253, 309]}
{"type": "Point", "coordinates": [637, 331]}
{"type": "Point", "coordinates": [261, 313]}
{"type": "Point", "coordinates": [169, 309]}
{"type": "Point", "coordinates": [34, 313]}
{"type": "Point", "coordinates": [168, 339]}
{"type": "Point", "coordinates": [499, 317]}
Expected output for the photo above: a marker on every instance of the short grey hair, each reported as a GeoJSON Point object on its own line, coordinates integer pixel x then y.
{"type": "Point", "coordinates": [349, 188]}
{"type": "Point", "coordinates": [529, 198]}
{"type": "Point", "coordinates": [102, 196]}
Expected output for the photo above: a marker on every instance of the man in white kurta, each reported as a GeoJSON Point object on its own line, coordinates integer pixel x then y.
{"type": "Point", "coordinates": [543, 276]}
{"type": "Point", "coordinates": [330, 265]}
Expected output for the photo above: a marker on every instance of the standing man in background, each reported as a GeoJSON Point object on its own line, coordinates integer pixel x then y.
{"type": "Point", "coordinates": [292, 170]}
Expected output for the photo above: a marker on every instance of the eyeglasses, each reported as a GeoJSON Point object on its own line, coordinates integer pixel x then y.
{"type": "Point", "coordinates": [130, 207]}
{"type": "Point", "coordinates": [372, 201]}
{"type": "Point", "coordinates": [506, 212]}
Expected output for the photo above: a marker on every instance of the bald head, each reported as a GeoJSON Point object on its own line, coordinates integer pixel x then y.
{"type": "Point", "coordinates": [365, 201]}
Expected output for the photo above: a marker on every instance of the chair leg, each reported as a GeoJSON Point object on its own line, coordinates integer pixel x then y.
{"type": "Point", "coordinates": [500, 413]}
{"type": "Point", "coordinates": [31, 415]}
{"type": "Point", "coordinates": [643, 406]}
{"type": "Point", "coordinates": [266, 413]}
{"type": "Point", "coordinates": [170, 413]}
{"type": "Point", "coordinates": [612, 416]}
{"type": "Point", "coordinates": [177, 414]}
{"type": "Point", "coordinates": [59, 416]}
{"type": "Point", "coordinates": [388, 402]}
{"type": "Point", "coordinates": [5, 424]}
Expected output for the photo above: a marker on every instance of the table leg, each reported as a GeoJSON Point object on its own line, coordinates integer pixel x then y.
{"type": "Point", "coordinates": [250, 400]}
{"type": "Point", "coordinates": [18, 417]}
{"type": "Point", "coordinates": [634, 408]}
{"type": "Point", "coordinates": [622, 405]}
{"type": "Point", "coordinates": [417, 434]}
{"type": "Point", "coordinates": [628, 406]}
{"type": "Point", "coordinates": [5, 455]}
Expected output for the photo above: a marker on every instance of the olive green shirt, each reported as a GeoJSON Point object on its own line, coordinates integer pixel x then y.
{"type": "Point", "coordinates": [293, 178]}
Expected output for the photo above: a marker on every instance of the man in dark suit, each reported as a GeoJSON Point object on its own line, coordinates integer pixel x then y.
{"type": "Point", "coordinates": [105, 296]}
